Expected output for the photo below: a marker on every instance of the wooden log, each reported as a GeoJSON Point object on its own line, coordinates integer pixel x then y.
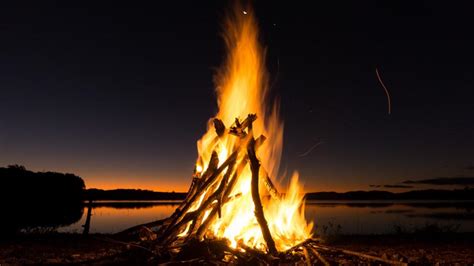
{"type": "Point", "coordinates": [259, 215]}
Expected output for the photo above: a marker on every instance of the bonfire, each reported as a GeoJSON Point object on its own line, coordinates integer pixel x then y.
{"type": "Point", "coordinates": [234, 212]}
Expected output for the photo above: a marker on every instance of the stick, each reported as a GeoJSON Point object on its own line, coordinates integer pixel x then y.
{"type": "Point", "coordinates": [320, 258]}
{"type": "Point", "coordinates": [219, 126]}
{"type": "Point", "coordinates": [174, 227]}
{"type": "Point", "coordinates": [202, 229]}
{"type": "Point", "coordinates": [362, 255]}
{"type": "Point", "coordinates": [134, 229]}
{"type": "Point", "coordinates": [194, 191]}
{"type": "Point", "coordinates": [107, 239]}
{"type": "Point", "coordinates": [268, 259]}
{"type": "Point", "coordinates": [179, 219]}
{"type": "Point", "coordinates": [306, 256]}
{"type": "Point", "coordinates": [259, 215]}
{"type": "Point", "coordinates": [297, 246]}
{"type": "Point", "coordinates": [272, 190]}
{"type": "Point", "coordinates": [195, 214]}
{"type": "Point", "coordinates": [219, 194]}
{"type": "Point", "coordinates": [238, 129]}
{"type": "Point", "coordinates": [202, 189]}
{"type": "Point", "coordinates": [87, 224]}
{"type": "Point", "coordinates": [370, 257]}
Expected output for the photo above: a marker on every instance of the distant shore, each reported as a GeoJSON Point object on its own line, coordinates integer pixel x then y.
{"type": "Point", "coordinates": [428, 194]}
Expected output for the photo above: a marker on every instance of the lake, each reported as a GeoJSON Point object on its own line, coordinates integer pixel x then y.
{"type": "Point", "coordinates": [330, 217]}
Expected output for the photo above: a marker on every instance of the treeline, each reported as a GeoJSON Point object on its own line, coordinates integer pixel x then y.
{"type": "Point", "coordinates": [428, 194]}
{"type": "Point", "coordinates": [131, 194]}
{"type": "Point", "coordinates": [31, 200]}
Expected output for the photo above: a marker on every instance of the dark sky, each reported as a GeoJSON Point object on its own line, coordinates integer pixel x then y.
{"type": "Point", "coordinates": [119, 94]}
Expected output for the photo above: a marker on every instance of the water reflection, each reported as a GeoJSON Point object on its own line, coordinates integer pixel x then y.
{"type": "Point", "coordinates": [112, 217]}
{"type": "Point", "coordinates": [39, 217]}
{"type": "Point", "coordinates": [361, 217]}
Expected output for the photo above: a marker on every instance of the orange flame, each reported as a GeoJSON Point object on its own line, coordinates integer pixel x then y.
{"type": "Point", "coordinates": [242, 89]}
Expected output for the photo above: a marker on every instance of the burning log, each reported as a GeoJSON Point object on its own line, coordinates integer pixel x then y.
{"type": "Point", "coordinates": [255, 167]}
{"type": "Point", "coordinates": [208, 195]}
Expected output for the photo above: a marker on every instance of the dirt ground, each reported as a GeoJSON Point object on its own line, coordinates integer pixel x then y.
{"type": "Point", "coordinates": [63, 249]}
{"type": "Point", "coordinates": [448, 249]}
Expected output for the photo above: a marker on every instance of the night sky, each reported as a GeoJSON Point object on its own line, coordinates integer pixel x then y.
{"type": "Point", "coordinates": [119, 94]}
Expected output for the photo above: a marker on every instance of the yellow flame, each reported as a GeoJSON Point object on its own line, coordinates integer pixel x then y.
{"type": "Point", "coordinates": [242, 89]}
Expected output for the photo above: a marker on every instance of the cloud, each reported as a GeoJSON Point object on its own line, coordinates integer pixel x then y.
{"type": "Point", "coordinates": [457, 216]}
{"type": "Point", "coordinates": [376, 186]}
{"type": "Point", "coordinates": [397, 186]}
{"type": "Point", "coordinates": [443, 181]}
{"type": "Point", "coordinates": [470, 167]}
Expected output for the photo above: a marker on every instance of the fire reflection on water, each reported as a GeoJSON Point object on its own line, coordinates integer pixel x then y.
{"type": "Point", "coordinates": [354, 218]}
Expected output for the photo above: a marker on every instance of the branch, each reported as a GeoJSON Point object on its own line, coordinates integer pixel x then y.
{"type": "Point", "coordinates": [254, 166]}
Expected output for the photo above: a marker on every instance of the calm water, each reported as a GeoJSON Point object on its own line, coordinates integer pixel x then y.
{"type": "Point", "coordinates": [361, 217]}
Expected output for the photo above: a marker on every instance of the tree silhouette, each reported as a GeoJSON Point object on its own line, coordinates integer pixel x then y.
{"type": "Point", "coordinates": [38, 199]}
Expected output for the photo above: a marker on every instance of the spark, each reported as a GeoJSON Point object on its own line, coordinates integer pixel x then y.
{"type": "Point", "coordinates": [386, 91]}
{"type": "Point", "coordinates": [245, 12]}
{"type": "Point", "coordinates": [311, 149]}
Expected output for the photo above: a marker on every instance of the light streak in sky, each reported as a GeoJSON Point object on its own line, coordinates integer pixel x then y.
{"type": "Point", "coordinates": [386, 91]}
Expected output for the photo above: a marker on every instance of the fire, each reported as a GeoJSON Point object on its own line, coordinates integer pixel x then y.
{"type": "Point", "coordinates": [242, 89]}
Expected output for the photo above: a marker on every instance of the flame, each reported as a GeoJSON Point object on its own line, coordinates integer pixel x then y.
{"type": "Point", "coordinates": [242, 89]}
